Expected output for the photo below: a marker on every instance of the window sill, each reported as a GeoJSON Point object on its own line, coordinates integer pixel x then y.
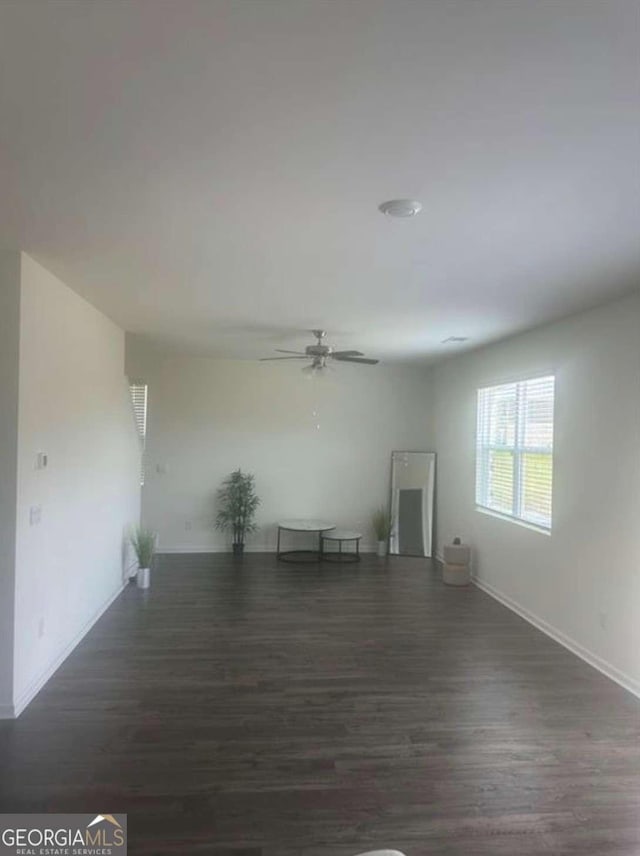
{"type": "Point", "coordinates": [509, 519]}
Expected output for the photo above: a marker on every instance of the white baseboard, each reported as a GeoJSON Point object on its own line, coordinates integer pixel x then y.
{"type": "Point", "coordinates": [625, 681]}
{"type": "Point", "coordinates": [213, 549]}
{"type": "Point", "coordinates": [364, 548]}
{"type": "Point", "coordinates": [34, 688]}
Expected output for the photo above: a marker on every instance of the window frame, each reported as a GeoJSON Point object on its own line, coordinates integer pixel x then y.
{"type": "Point", "coordinates": [518, 449]}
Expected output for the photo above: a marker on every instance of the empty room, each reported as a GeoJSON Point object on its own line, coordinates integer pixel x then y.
{"type": "Point", "coordinates": [320, 427]}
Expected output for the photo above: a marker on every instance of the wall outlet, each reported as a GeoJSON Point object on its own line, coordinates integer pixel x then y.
{"type": "Point", "coordinates": [41, 628]}
{"type": "Point", "coordinates": [42, 461]}
{"type": "Point", "coordinates": [35, 515]}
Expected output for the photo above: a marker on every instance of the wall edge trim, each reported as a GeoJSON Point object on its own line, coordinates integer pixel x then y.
{"type": "Point", "coordinates": [607, 669]}
{"type": "Point", "coordinates": [35, 686]}
{"type": "Point", "coordinates": [364, 548]}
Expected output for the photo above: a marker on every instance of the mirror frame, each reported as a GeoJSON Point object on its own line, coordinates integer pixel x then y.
{"type": "Point", "coordinates": [428, 492]}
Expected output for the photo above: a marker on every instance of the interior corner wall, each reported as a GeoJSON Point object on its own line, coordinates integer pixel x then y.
{"type": "Point", "coordinates": [319, 447]}
{"type": "Point", "coordinates": [74, 406]}
{"type": "Point", "coordinates": [581, 583]}
{"type": "Point", "coordinates": [9, 356]}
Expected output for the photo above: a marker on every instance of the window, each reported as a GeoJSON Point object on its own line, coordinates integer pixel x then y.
{"type": "Point", "coordinates": [514, 450]}
{"type": "Point", "coordinates": [139, 401]}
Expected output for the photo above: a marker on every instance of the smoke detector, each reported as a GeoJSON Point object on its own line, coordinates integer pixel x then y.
{"type": "Point", "coordinates": [401, 207]}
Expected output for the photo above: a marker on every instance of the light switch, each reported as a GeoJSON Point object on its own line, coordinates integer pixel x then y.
{"type": "Point", "coordinates": [42, 460]}
{"type": "Point", "coordinates": [35, 515]}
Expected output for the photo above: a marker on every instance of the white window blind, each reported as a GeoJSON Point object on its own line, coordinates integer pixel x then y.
{"type": "Point", "coordinates": [514, 450]}
{"type": "Point", "coordinates": [139, 401]}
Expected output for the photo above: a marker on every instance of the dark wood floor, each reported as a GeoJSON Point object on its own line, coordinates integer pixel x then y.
{"type": "Point", "coordinates": [262, 709]}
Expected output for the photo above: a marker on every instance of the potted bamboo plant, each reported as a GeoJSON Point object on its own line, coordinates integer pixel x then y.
{"type": "Point", "coordinates": [238, 503]}
{"type": "Point", "coordinates": [381, 523]}
{"type": "Point", "coordinates": [143, 542]}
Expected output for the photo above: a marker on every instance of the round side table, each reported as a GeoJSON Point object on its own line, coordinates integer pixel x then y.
{"type": "Point", "coordinates": [316, 527]}
{"type": "Point", "coordinates": [340, 536]}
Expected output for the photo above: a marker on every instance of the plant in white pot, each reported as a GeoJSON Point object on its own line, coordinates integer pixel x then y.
{"type": "Point", "coordinates": [381, 523]}
{"type": "Point", "coordinates": [143, 542]}
{"type": "Point", "coordinates": [237, 506]}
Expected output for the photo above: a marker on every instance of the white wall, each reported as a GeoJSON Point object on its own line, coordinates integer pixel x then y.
{"type": "Point", "coordinates": [586, 574]}
{"type": "Point", "coordinates": [208, 417]}
{"type": "Point", "coordinates": [75, 406]}
{"type": "Point", "coordinates": [9, 351]}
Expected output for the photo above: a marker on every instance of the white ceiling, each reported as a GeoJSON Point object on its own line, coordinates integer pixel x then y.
{"type": "Point", "coordinates": [207, 172]}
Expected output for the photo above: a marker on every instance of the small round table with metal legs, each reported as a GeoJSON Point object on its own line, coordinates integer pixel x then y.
{"type": "Point", "coordinates": [310, 526]}
{"type": "Point", "coordinates": [339, 536]}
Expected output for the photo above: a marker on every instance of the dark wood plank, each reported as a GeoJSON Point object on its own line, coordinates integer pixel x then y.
{"type": "Point", "coordinates": [260, 709]}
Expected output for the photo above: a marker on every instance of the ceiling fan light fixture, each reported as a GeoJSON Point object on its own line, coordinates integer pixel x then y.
{"type": "Point", "coordinates": [315, 371]}
{"type": "Point", "coordinates": [321, 356]}
{"type": "Point", "coordinates": [402, 208]}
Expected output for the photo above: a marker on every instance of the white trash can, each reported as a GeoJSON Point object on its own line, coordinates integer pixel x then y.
{"type": "Point", "coordinates": [456, 570]}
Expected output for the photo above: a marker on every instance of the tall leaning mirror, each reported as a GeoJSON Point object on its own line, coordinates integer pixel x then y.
{"type": "Point", "coordinates": [412, 483]}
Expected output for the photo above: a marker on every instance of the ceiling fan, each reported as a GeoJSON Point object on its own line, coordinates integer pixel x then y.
{"type": "Point", "coordinates": [320, 354]}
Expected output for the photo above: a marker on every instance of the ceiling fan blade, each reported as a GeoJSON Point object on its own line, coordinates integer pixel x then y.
{"type": "Point", "coordinates": [362, 360]}
{"type": "Point", "coordinates": [270, 359]}
{"type": "Point", "coordinates": [281, 351]}
{"type": "Point", "coordinates": [347, 354]}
